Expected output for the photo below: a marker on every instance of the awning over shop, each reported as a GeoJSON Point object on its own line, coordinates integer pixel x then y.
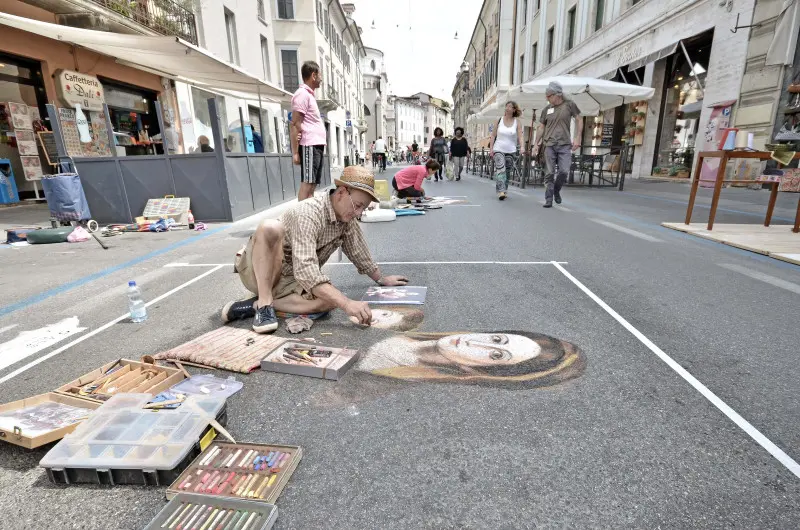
{"type": "Point", "coordinates": [169, 57]}
{"type": "Point", "coordinates": [653, 57]}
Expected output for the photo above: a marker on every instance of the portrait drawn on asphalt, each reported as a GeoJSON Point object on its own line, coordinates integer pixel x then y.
{"type": "Point", "coordinates": [510, 360]}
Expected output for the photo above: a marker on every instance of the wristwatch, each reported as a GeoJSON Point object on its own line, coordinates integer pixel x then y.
{"type": "Point", "coordinates": [379, 282]}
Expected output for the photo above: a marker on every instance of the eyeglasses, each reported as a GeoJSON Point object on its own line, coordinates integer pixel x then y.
{"type": "Point", "coordinates": [357, 211]}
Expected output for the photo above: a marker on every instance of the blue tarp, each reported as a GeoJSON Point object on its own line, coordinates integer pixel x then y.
{"type": "Point", "coordinates": [65, 197]}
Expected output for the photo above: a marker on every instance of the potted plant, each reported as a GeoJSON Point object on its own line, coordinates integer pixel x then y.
{"type": "Point", "coordinates": [679, 171]}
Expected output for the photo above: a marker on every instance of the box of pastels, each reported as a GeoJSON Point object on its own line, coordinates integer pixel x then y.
{"type": "Point", "coordinates": [124, 443]}
{"type": "Point", "coordinates": [39, 420]}
{"type": "Point", "coordinates": [248, 471]}
{"type": "Point", "coordinates": [187, 511]}
{"type": "Point", "coordinates": [312, 360]}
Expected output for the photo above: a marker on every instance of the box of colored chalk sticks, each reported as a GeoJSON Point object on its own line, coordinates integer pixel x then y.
{"type": "Point", "coordinates": [204, 511]}
{"type": "Point", "coordinates": [257, 472]}
{"type": "Point", "coordinates": [312, 360]}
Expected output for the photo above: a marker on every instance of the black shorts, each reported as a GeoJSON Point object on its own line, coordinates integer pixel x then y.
{"type": "Point", "coordinates": [311, 159]}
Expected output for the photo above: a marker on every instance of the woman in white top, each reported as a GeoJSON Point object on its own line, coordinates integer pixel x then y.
{"type": "Point", "coordinates": [505, 143]}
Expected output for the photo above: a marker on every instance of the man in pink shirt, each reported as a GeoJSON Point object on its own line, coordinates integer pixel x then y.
{"type": "Point", "coordinates": [308, 126]}
{"type": "Point", "coordinates": [408, 181]}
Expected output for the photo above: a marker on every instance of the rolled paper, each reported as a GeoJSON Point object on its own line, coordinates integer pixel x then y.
{"type": "Point", "coordinates": [750, 138]}
{"type": "Point", "coordinates": [741, 139]}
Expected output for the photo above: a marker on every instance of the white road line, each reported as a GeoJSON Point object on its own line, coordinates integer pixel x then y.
{"type": "Point", "coordinates": [734, 416]}
{"type": "Point", "coordinates": [7, 328]}
{"type": "Point", "coordinates": [458, 263]}
{"type": "Point", "coordinates": [563, 208]}
{"type": "Point", "coordinates": [630, 232]}
{"type": "Point", "coordinates": [218, 265]}
{"type": "Point", "coordinates": [766, 278]}
{"type": "Point", "coordinates": [104, 327]}
{"type": "Point", "coordinates": [515, 192]}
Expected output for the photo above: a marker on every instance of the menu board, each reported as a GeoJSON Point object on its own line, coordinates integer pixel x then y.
{"type": "Point", "coordinates": [72, 141]}
{"type": "Point", "coordinates": [48, 141]}
{"type": "Point", "coordinates": [26, 143]}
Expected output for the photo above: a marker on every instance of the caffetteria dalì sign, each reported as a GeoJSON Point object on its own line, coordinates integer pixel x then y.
{"type": "Point", "coordinates": [75, 88]}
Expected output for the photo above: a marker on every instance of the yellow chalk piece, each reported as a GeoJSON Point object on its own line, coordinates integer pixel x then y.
{"type": "Point", "coordinates": [206, 440]}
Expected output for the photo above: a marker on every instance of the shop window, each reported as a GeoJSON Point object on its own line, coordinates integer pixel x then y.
{"type": "Point", "coordinates": [291, 71]}
{"type": "Point", "coordinates": [599, 14]}
{"type": "Point", "coordinates": [230, 29]}
{"type": "Point", "coordinates": [286, 9]}
{"type": "Point", "coordinates": [571, 28]}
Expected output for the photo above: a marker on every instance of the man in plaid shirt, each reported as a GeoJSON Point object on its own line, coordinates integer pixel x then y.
{"type": "Point", "coordinates": [282, 261]}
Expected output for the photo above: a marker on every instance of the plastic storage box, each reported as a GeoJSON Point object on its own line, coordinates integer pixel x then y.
{"type": "Point", "coordinates": [194, 511]}
{"type": "Point", "coordinates": [122, 443]}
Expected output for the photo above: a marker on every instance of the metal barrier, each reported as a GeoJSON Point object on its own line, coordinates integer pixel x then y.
{"type": "Point", "coordinates": [589, 170]}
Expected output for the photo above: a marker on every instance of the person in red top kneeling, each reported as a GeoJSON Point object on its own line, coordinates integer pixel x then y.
{"type": "Point", "coordinates": [408, 181]}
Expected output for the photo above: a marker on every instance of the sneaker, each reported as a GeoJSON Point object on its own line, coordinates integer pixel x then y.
{"type": "Point", "coordinates": [557, 197]}
{"type": "Point", "coordinates": [265, 320]}
{"type": "Point", "coordinates": [547, 204]}
{"type": "Point", "coordinates": [501, 195]}
{"type": "Point", "coordinates": [238, 310]}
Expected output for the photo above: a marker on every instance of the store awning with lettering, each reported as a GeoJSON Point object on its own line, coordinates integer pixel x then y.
{"type": "Point", "coordinates": [170, 57]}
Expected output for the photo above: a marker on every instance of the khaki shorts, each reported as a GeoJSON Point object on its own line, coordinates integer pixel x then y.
{"type": "Point", "coordinates": [287, 285]}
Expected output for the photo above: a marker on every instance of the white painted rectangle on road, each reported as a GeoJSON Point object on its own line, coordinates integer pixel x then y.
{"type": "Point", "coordinates": [29, 342]}
{"type": "Point", "coordinates": [778, 453]}
{"type": "Point", "coordinates": [760, 276]}
{"type": "Point", "coordinates": [629, 231]}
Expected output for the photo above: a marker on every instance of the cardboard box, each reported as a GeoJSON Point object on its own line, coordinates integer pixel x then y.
{"type": "Point", "coordinates": [333, 367]}
{"type": "Point", "coordinates": [130, 379]}
{"type": "Point", "coordinates": [226, 450]}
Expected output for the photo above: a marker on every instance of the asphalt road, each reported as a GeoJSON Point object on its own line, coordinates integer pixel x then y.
{"type": "Point", "coordinates": [631, 442]}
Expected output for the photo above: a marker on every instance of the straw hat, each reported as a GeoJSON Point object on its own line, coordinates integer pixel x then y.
{"type": "Point", "coordinates": [358, 178]}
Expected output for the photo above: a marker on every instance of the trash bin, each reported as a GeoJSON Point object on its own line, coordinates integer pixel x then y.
{"type": "Point", "coordinates": [346, 160]}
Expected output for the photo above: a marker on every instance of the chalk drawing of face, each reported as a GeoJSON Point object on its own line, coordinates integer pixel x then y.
{"type": "Point", "coordinates": [509, 359]}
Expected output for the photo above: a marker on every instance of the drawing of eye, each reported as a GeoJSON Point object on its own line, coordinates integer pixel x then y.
{"type": "Point", "coordinates": [499, 339]}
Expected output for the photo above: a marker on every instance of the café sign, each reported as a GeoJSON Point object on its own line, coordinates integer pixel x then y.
{"type": "Point", "coordinates": [75, 88]}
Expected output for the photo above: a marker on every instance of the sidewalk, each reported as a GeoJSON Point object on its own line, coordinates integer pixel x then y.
{"type": "Point", "coordinates": [34, 214]}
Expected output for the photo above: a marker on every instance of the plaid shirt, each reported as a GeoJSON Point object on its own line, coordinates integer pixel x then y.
{"type": "Point", "coordinates": [313, 234]}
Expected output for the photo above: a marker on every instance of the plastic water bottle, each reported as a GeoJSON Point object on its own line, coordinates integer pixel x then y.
{"type": "Point", "coordinates": [135, 303]}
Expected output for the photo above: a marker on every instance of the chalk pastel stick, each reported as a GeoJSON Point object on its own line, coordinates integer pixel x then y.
{"type": "Point", "coordinates": [174, 517]}
{"type": "Point", "coordinates": [245, 458]}
{"type": "Point", "coordinates": [237, 520]}
{"type": "Point", "coordinates": [233, 458]}
{"type": "Point", "coordinates": [189, 515]}
{"type": "Point", "coordinates": [209, 457]}
{"type": "Point", "coordinates": [241, 521]}
{"type": "Point", "coordinates": [224, 520]}
{"type": "Point", "coordinates": [207, 520]}
{"type": "Point", "coordinates": [216, 520]}
{"type": "Point", "coordinates": [249, 521]}
{"type": "Point", "coordinates": [232, 521]}
{"type": "Point", "coordinates": [262, 486]}
{"type": "Point", "coordinates": [202, 509]}
{"type": "Point", "coordinates": [247, 485]}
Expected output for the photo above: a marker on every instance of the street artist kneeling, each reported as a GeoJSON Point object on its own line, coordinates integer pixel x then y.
{"type": "Point", "coordinates": [281, 261]}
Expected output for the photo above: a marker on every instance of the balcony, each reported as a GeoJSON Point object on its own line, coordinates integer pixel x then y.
{"type": "Point", "coordinates": [329, 100]}
{"type": "Point", "coordinates": [167, 17]}
{"type": "Point", "coordinates": [360, 124]}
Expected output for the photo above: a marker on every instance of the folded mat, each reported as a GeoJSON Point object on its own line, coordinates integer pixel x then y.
{"type": "Point", "coordinates": [227, 348]}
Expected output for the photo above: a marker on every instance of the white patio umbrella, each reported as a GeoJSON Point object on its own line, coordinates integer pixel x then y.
{"type": "Point", "coordinates": [590, 94]}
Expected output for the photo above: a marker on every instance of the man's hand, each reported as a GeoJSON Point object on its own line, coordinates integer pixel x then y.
{"type": "Point", "coordinates": [359, 311]}
{"type": "Point", "coordinates": [391, 281]}
{"type": "Point", "coordinates": [296, 159]}
{"type": "Point", "coordinates": [576, 145]}
{"type": "Point", "coordinates": [536, 150]}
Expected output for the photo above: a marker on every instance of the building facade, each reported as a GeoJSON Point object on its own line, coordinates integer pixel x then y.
{"type": "Point", "coordinates": [486, 69]}
{"type": "Point", "coordinates": [325, 32]}
{"type": "Point", "coordinates": [437, 114]}
{"type": "Point", "coordinates": [409, 118]}
{"type": "Point", "coordinates": [376, 96]}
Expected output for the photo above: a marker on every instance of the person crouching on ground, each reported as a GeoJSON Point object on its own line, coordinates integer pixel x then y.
{"type": "Point", "coordinates": [282, 261]}
{"type": "Point", "coordinates": [408, 181]}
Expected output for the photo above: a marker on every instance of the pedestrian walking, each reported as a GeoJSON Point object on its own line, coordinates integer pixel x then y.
{"type": "Point", "coordinates": [308, 130]}
{"type": "Point", "coordinates": [553, 131]}
{"type": "Point", "coordinates": [459, 151]}
{"type": "Point", "coordinates": [504, 145]}
{"type": "Point", "coordinates": [379, 153]}
{"type": "Point", "coordinates": [438, 151]}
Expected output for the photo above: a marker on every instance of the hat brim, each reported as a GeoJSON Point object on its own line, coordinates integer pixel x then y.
{"type": "Point", "coordinates": [357, 186]}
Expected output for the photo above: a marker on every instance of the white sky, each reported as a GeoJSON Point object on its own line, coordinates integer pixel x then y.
{"type": "Point", "coordinates": [416, 37]}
